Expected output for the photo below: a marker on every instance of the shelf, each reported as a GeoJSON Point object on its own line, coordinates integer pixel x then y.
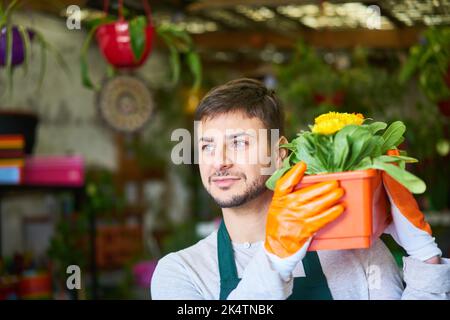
{"type": "Point", "coordinates": [51, 172]}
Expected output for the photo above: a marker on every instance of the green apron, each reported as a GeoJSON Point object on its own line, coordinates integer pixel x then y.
{"type": "Point", "coordinates": [311, 287]}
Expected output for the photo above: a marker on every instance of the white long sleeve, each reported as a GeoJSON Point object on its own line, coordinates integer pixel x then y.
{"type": "Point", "coordinates": [362, 274]}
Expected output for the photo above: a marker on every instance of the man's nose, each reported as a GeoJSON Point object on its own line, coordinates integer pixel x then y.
{"type": "Point", "coordinates": [222, 159]}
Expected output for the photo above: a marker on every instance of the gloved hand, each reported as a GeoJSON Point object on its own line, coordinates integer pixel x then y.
{"type": "Point", "coordinates": [295, 216]}
{"type": "Point", "coordinates": [408, 227]}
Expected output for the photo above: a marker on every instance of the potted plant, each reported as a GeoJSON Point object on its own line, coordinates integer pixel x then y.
{"type": "Point", "coordinates": [346, 147]}
{"type": "Point", "coordinates": [127, 43]}
{"type": "Point", "coordinates": [430, 60]}
{"type": "Point", "coordinates": [15, 44]}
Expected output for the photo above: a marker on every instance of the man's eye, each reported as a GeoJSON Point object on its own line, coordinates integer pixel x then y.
{"type": "Point", "coordinates": [208, 147]}
{"type": "Point", "coordinates": [240, 144]}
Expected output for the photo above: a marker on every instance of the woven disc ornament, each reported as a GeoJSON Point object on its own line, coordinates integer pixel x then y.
{"type": "Point", "coordinates": [125, 103]}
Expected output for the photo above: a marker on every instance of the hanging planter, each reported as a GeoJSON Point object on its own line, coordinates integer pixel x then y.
{"type": "Point", "coordinates": [15, 45]}
{"type": "Point", "coordinates": [127, 43]}
{"type": "Point", "coordinates": [116, 45]}
{"type": "Point", "coordinates": [429, 60]}
{"type": "Point", "coordinates": [18, 45]}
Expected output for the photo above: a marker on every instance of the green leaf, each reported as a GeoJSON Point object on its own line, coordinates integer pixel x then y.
{"type": "Point", "coordinates": [341, 147]}
{"type": "Point", "coordinates": [85, 77]}
{"type": "Point", "coordinates": [376, 126]}
{"type": "Point", "coordinates": [138, 36]}
{"type": "Point", "coordinates": [11, 7]}
{"type": "Point", "coordinates": [399, 141]}
{"type": "Point", "coordinates": [392, 135]}
{"type": "Point", "coordinates": [384, 158]}
{"type": "Point", "coordinates": [9, 68]}
{"type": "Point", "coordinates": [195, 66]}
{"type": "Point", "coordinates": [272, 181]}
{"type": "Point", "coordinates": [407, 179]}
{"type": "Point", "coordinates": [176, 34]}
{"type": "Point", "coordinates": [290, 146]}
{"type": "Point", "coordinates": [306, 151]}
{"type": "Point", "coordinates": [362, 145]}
{"type": "Point", "coordinates": [46, 46]}
{"type": "Point", "coordinates": [364, 164]}
{"type": "Point", "coordinates": [25, 36]}
{"type": "Point", "coordinates": [110, 71]}
{"type": "Point", "coordinates": [43, 64]}
{"type": "Point", "coordinates": [175, 64]}
{"type": "Point", "coordinates": [403, 153]}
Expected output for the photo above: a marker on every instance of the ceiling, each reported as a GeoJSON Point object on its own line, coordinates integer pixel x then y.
{"type": "Point", "coordinates": [282, 15]}
{"type": "Point", "coordinates": [224, 26]}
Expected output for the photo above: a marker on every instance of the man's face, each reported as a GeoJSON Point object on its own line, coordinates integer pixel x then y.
{"type": "Point", "coordinates": [230, 148]}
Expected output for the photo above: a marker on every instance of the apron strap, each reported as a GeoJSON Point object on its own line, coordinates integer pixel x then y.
{"type": "Point", "coordinates": [313, 286]}
{"type": "Point", "coordinates": [227, 266]}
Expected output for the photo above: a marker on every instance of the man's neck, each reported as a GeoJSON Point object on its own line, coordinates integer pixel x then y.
{"type": "Point", "coordinates": [247, 223]}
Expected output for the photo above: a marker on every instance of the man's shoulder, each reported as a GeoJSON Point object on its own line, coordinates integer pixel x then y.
{"type": "Point", "coordinates": [183, 272]}
{"type": "Point", "coordinates": [204, 249]}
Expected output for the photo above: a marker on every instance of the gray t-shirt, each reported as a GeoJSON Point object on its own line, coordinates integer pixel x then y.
{"type": "Point", "coordinates": [360, 274]}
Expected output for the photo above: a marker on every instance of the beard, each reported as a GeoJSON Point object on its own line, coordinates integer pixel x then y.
{"type": "Point", "coordinates": [254, 190]}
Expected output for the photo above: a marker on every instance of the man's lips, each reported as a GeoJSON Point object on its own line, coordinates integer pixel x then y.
{"type": "Point", "coordinates": [224, 182]}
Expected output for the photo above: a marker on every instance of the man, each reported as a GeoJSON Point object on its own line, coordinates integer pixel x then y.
{"type": "Point", "coordinates": [260, 249]}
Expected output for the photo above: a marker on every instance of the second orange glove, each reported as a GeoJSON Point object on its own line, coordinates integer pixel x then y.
{"type": "Point", "coordinates": [295, 216]}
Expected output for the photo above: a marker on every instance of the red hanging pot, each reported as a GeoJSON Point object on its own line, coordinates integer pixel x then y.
{"type": "Point", "coordinates": [114, 40]}
{"type": "Point", "coordinates": [115, 43]}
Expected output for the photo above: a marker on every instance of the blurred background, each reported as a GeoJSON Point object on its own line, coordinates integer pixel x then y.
{"type": "Point", "coordinates": [91, 90]}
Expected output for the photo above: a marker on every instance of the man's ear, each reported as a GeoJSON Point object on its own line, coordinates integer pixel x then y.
{"type": "Point", "coordinates": [281, 153]}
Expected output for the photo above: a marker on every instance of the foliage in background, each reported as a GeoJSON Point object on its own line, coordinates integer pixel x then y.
{"type": "Point", "coordinates": [424, 139]}
{"type": "Point", "coordinates": [183, 236]}
{"type": "Point", "coordinates": [299, 80]}
{"type": "Point", "coordinates": [154, 149]}
{"type": "Point", "coordinates": [70, 243]}
{"type": "Point", "coordinates": [310, 86]}
{"type": "Point", "coordinates": [430, 60]}
{"type": "Point", "coordinates": [370, 89]}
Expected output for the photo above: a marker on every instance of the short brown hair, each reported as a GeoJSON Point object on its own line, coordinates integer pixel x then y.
{"type": "Point", "coordinates": [246, 95]}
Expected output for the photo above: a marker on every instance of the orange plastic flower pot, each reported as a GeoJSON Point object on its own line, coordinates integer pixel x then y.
{"type": "Point", "coordinates": [366, 214]}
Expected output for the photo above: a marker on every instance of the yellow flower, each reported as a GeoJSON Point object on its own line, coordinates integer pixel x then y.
{"type": "Point", "coordinates": [332, 122]}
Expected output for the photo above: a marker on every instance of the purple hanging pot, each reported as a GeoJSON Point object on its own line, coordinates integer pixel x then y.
{"type": "Point", "coordinates": [18, 46]}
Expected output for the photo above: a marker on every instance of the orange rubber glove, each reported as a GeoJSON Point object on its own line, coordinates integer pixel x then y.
{"type": "Point", "coordinates": [295, 216]}
{"type": "Point", "coordinates": [408, 227]}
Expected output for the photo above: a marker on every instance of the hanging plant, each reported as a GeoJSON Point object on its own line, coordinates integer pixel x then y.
{"type": "Point", "coordinates": [430, 60]}
{"type": "Point", "coordinates": [15, 45]}
{"type": "Point", "coordinates": [126, 44]}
